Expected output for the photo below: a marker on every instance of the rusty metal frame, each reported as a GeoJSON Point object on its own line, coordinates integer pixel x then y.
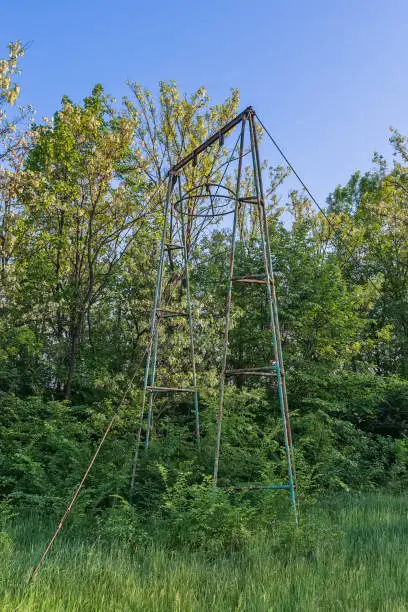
{"type": "Point", "coordinates": [246, 119]}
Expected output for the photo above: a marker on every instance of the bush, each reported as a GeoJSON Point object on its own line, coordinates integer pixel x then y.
{"type": "Point", "coordinates": [308, 539]}
{"type": "Point", "coordinates": [201, 517]}
{"type": "Point", "coordinates": [6, 515]}
{"type": "Point", "coordinates": [121, 524]}
{"type": "Point", "coordinates": [45, 448]}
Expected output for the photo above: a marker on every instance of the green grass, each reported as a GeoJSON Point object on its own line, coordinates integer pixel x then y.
{"type": "Point", "coordinates": [363, 569]}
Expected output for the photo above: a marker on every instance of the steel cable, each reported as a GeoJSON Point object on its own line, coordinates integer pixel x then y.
{"type": "Point", "coordinates": [328, 220]}
{"type": "Point", "coordinates": [101, 442]}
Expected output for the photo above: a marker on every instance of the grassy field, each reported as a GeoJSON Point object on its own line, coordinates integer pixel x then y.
{"type": "Point", "coordinates": [364, 567]}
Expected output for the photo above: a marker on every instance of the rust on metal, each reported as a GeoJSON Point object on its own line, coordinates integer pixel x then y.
{"type": "Point", "coordinates": [170, 313]}
{"type": "Point", "coordinates": [173, 247]}
{"type": "Point", "coordinates": [250, 200]}
{"type": "Point", "coordinates": [248, 279]}
{"type": "Point", "coordinates": [207, 143]}
{"type": "Point", "coordinates": [261, 371]}
{"type": "Point", "coordinates": [170, 389]}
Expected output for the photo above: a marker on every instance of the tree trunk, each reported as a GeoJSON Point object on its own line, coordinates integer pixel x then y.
{"type": "Point", "coordinates": [73, 353]}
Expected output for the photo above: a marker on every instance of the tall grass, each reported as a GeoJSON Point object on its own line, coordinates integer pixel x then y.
{"type": "Point", "coordinates": [363, 569]}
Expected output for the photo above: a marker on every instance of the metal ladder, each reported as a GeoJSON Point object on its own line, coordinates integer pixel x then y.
{"type": "Point", "coordinates": [150, 389]}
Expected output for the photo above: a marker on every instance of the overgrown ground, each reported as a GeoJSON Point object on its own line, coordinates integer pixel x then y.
{"type": "Point", "coordinates": [351, 554]}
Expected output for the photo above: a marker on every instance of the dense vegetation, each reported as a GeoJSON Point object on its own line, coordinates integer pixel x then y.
{"type": "Point", "coordinates": [78, 247]}
{"type": "Point", "coordinates": [363, 566]}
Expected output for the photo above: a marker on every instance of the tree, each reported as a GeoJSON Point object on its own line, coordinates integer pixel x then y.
{"type": "Point", "coordinates": [167, 131]}
{"type": "Point", "coordinates": [82, 198]}
{"type": "Point", "coordinates": [15, 140]}
{"type": "Point", "coordinates": [370, 213]}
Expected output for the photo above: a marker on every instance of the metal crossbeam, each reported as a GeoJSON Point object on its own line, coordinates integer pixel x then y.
{"type": "Point", "coordinates": [170, 389]}
{"type": "Point", "coordinates": [249, 200]}
{"type": "Point", "coordinates": [173, 247]}
{"type": "Point", "coordinates": [252, 487]}
{"type": "Point", "coordinates": [170, 313]}
{"type": "Point", "coordinates": [261, 371]}
{"type": "Point", "coordinates": [248, 279]}
{"type": "Point", "coordinates": [207, 143]}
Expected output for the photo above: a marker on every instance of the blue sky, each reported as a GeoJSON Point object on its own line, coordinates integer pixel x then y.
{"type": "Point", "coordinates": [327, 77]}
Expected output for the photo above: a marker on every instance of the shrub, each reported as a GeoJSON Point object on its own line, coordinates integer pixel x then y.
{"type": "Point", "coordinates": [202, 517]}
{"type": "Point", "coordinates": [308, 539]}
{"type": "Point", "coordinates": [121, 524]}
{"type": "Point", "coordinates": [6, 515]}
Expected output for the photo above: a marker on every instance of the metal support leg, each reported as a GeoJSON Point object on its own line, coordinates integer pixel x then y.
{"type": "Point", "coordinates": [152, 350]}
{"type": "Point", "coordinates": [274, 300]}
{"type": "Point", "coordinates": [274, 322]}
{"type": "Point", "coordinates": [227, 312]}
{"type": "Point", "coordinates": [190, 317]}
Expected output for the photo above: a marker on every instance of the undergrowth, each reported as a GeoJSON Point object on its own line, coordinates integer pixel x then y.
{"type": "Point", "coordinates": [348, 553]}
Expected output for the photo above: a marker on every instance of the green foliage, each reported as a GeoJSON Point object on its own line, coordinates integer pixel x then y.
{"type": "Point", "coordinates": [80, 219]}
{"type": "Point", "coordinates": [120, 523]}
{"type": "Point", "coordinates": [7, 513]}
{"type": "Point", "coordinates": [311, 539]}
{"type": "Point", "coordinates": [399, 470]}
{"type": "Point", "coordinates": [364, 567]}
{"type": "Point", "coordinates": [45, 446]}
{"type": "Point", "coordinates": [22, 366]}
{"type": "Point", "coordinates": [201, 517]}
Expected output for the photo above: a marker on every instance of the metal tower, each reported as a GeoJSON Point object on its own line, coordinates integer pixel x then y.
{"type": "Point", "coordinates": [200, 205]}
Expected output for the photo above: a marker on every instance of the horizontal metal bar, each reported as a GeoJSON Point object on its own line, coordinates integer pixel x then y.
{"type": "Point", "coordinates": [247, 279]}
{"type": "Point", "coordinates": [207, 143]}
{"type": "Point", "coordinates": [170, 389]}
{"type": "Point", "coordinates": [249, 200]}
{"type": "Point", "coordinates": [171, 313]}
{"type": "Point", "coordinates": [252, 371]}
{"type": "Point", "coordinates": [255, 487]}
{"type": "Point", "coordinates": [248, 373]}
{"type": "Point", "coordinates": [272, 366]}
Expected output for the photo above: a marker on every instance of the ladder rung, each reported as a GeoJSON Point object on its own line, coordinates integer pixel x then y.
{"type": "Point", "coordinates": [261, 275]}
{"type": "Point", "coordinates": [247, 373]}
{"type": "Point", "coordinates": [250, 200]}
{"type": "Point", "coordinates": [248, 279]}
{"type": "Point", "coordinates": [261, 371]}
{"type": "Point", "coordinates": [171, 313]}
{"type": "Point", "coordinates": [169, 389]}
{"type": "Point", "coordinates": [250, 487]}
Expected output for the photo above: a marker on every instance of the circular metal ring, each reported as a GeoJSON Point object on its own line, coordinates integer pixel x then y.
{"type": "Point", "coordinates": [216, 201]}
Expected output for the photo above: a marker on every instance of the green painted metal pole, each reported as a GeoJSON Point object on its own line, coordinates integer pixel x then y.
{"type": "Point", "coordinates": [271, 298]}
{"type": "Point", "coordinates": [274, 301]}
{"type": "Point", "coordinates": [156, 306]}
{"type": "Point", "coordinates": [190, 317]}
{"type": "Point", "coordinates": [141, 418]}
{"type": "Point", "coordinates": [276, 315]}
{"type": "Point", "coordinates": [228, 310]}
{"type": "Point", "coordinates": [153, 325]}
{"type": "Point", "coordinates": [280, 369]}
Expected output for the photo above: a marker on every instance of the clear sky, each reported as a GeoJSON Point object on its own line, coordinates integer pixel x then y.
{"type": "Point", "coordinates": [328, 77]}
